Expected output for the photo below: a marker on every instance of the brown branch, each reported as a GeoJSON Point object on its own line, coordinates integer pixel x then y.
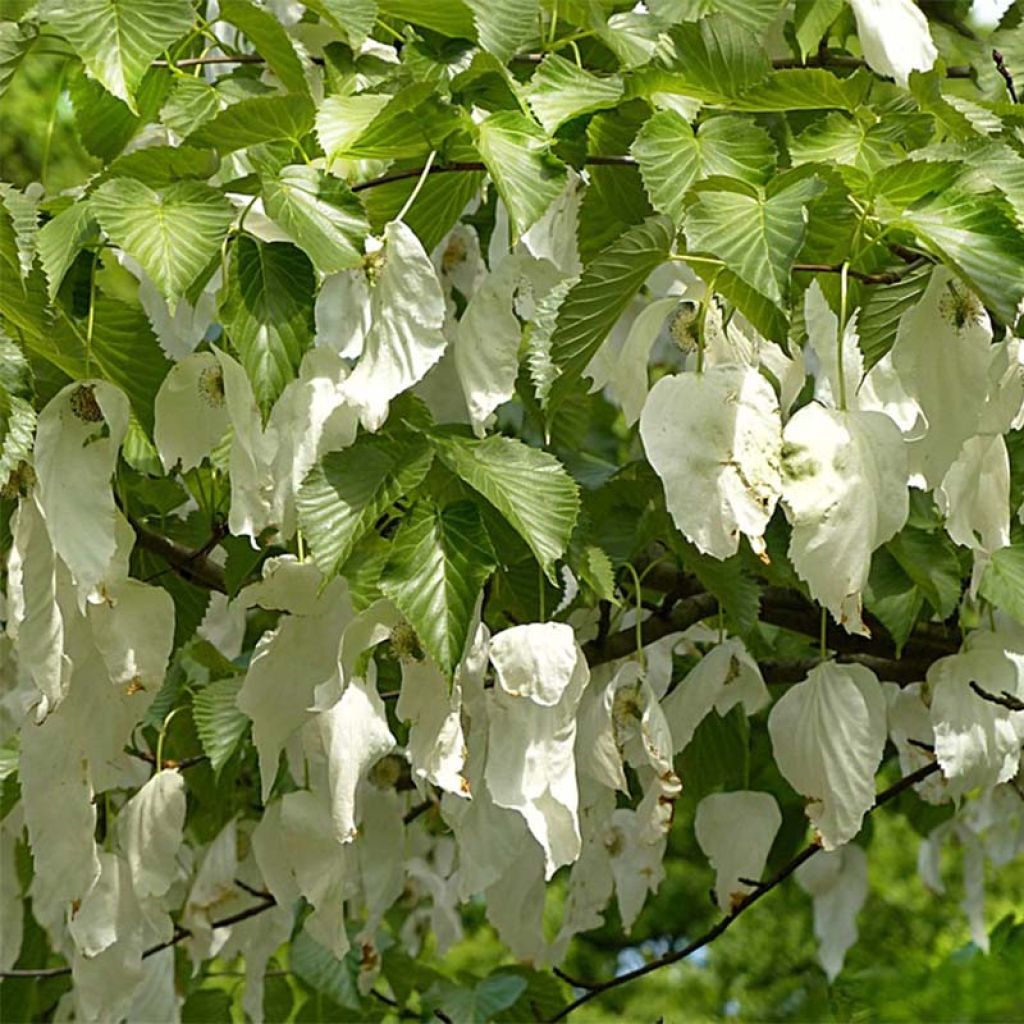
{"type": "Point", "coordinates": [193, 566]}
{"type": "Point", "coordinates": [1004, 700]}
{"type": "Point", "coordinates": [595, 989]}
{"type": "Point", "coordinates": [179, 935]}
{"type": "Point", "coordinates": [826, 59]}
{"type": "Point", "coordinates": [185, 762]}
{"type": "Point", "coordinates": [884, 277]}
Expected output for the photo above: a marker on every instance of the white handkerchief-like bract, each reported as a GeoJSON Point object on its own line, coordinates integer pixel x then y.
{"type": "Point", "coordinates": [828, 734]}
{"type": "Point", "coordinates": [977, 742]}
{"type": "Point", "coordinates": [942, 355]}
{"type": "Point", "coordinates": [541, 674]}
{"type": "Point", "coordinates": [191, 414]}
{"type": "Point", "coordinates": [149, 828]}
{"type": "Point", "coordinates": [845, 493]}
{"type": "Point", "coordinates": [715, 439]}
{"type": "Point", "coordinates": [838, 885]}
{"type": "Point", "coordinates": [736, 831]}
{"type": "Point", "coordinates": [406, 316]}
{"type": "Point", "coordinates": [78, 437]}
{"type": "Point", "coordinates": [726, 676]}
{"type": "Point", "coordinates": [975, 494]}
{"type": "Point", "coordinates": [894, 37]}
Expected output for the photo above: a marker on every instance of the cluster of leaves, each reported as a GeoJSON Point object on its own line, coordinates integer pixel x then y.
{"type": "Point", "coordinates": [355, 569]}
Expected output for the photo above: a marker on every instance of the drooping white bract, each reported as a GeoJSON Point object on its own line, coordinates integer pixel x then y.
{"type": "Point", "coordinates": [149, 829]}
{"type": "Point", "coordinates": [343, 313]}
{"type": "Point", "coordinates": [942, 354]}
{"type": "Point", "coordinates": [845, 493]}
{"type": "Point", "coordinates": [10, 890]}
{"type": "Point", "coordinates": [910, 729]}
{"type": "Point", "coordinates": [34, 616]}
{"type": "Point", "coordinates": [541, 674]}
{"type": "Point", "coordinates": [726, 676]}
{"type": "Point", "coordinates": [974, 495]}
{"type": "Point", "coordinates": [894, 36]}
{"type": "Point", "coordinates": [838, 884]}
{"type": "Point", "coordinates": [212, 886]}
{"type": "Point", "coordinates": [715, 439]}
{"type": "Point", "coordinates": [553, 237]}
{"type": "Point", "coordinates": [302, 649]}
{"type": "Point", "coordinates": [736, 831]}
{"type": "Point", "coordinates": [436, 748]}
{"type": "Point", "coordinates": [354, 735]}
{"type": "Point", "coordinates": [636, 861]}
{"type": "Point", "coordinates": [828, 734]}
{"type": "Point", "coordinates": [191, 414]}
{"type": "Point", "coordinates": [486, 343]}
{"type": "Point", "coordinates": [404, 339]}
{"type": "Point", "coordinates": [977, 742]}
{"type": "Point", "coordinates": [78, 437]}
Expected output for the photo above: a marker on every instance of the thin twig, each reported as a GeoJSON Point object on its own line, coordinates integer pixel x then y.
{"type": "Point", "coordinates": [185, 762]}
{"type": "Point", "coordinates": [885, 277]}
{"type": "Point", "coordinates": [595, 989]}
{"type": "Point", "coordinates": [1000, 63]}
{"type": "Point", "coordinates": [1004, 700]}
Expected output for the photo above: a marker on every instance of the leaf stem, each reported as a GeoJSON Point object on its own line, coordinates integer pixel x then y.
{"type": "Point", "coordinates": [841, 332]}
{"type": "Point", "coordinates": [419, 184]}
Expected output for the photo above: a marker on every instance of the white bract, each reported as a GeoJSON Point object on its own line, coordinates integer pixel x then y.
{"type": "Point", "coordinates": [715, 440]}
{"type": "Point", "coordinates": [828, 734]}
{"type": "Point", "coordinates": [894, 36]}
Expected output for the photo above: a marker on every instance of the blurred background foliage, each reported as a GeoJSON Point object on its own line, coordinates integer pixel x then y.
{"type": "Point", "coordinates": [914, 960]}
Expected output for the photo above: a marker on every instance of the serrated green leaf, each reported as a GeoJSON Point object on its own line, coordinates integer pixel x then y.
{"type": "Point", "coordinates": [451, 18]}
{"type": "Point", "coordinates": [348, 491]}
{"type": "Point", "coordinates": [61, 240]}
{"type": "Point", "coordinates": [811, 22]}
{"type": "Point", "coordinates": [603, 291]}
{"type": "Point", "coordinates": [320, 212]}
{"type": "Point", "coordinates": [219, 723]}
{"type": "Point", "coordinates": [804, 89]}
{"type": "Point", "coordinates": [15, 41]}
{"type": "Point", "coordinates": [845, 140]}
{"type": "Point", "coordinates": [884, 305]}
{"type": "Point", "coordinates": [192, 102]}
{"type": "Point", "coordinates": [440, 559]}
{"type": "Point", "coordinates": [518, 158]}
{"type": "Point", "coordinates": [930, 560]}
{"type": "Point", "coordinates": [105, 124]}
{"type": "Point", "coordinates": [672, 156]}
{"type": "Point", "coordinates": [530, 488]}
{"type": "Point", "coordinates": [413, 123]}
{"type": "Point", "coordinates": [269, 39]}
{"type": "Point", "coordinates": [323, 972]}
{"type": "Point", "coordinates": [17, 432]}
{"type": "Point", "coordinates": [756, 232]}
{"type": "Point", "coordinates": [1003, 582]}
{"type": "Point", "coordinates": [506, 27]}
{"type": "Point", "coordinates": [893, 597]}
{"type": "Point", "coordinates": [595, 569]}
{"type": "Point", "coordinates": [980, 239]}
{"type": "Point", "coordinates": [737, 593]}
{"type": "Point", "coordinates": [559, 91]}
{"type": "Point", "coordinates": [173, 233]}
{"type": "Point", "coordinates": [354, 17]}
{"type": "Point", "coordinates": [117, 39]}
{"type": "Point", "coordinates": [160, 166]}
{"type": "Point", "coordinates": [910, 181]}
{"type": "Point", "coordinates": [254, 121]}
{"type": "Point", "coordinates": [267, 311]}
{"type": "Point", "coordinates": [478, 1004]}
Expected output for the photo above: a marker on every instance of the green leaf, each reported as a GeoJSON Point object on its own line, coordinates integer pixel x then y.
{"type": "Point", "coordinates": [340, 120]}
{"type": "Point", "coordinates": [450, 18]}
{"type": "Point", "coordinates": [506, 27]}
{"type": "Point", "coordinates": [10, 261]}
{"type": "Point", "coordinates": [61, 240]}
{"type": "Point", "coordinates": [714, 59]}
{"type": "Point", "coordinates": [219, 723]}
{"type": "Point", "coordinates": [529, 487]}
{"type": "Point", "coordinates": [354, 17]}
{"type": "Point", "coordinates": [930, 560]}
{"type": "Point", "coordinates": [267, 311]}
{"type": "Point", "coordinates": [893, 597]}
{"type": "Point", "coordinates": [105, 124]}
{"type": "Point", "coordinates": [348, 491]}
{"type": "Point", "coordinates": [173, 233]}
{"type": "Point", "coordinates": [518, 158]}
{"type": "Point", "coordinates": [804, 89]}
{"type": "Point", "coordinates": [15, 41]}
{"type": "Point", "coordinates": [440, 559]}
{"type": "Point", "coordinates": [414, 123]}
{"type": "Point", "coordinates": [437, 207]}
{"type": "Point", "coordinates": [17, 433]}
{"type": "Point", "coordinates": [192, 102]}
{"type": "Point", "coordinates": [323, 972]}
{"type": "Point", "coordinates": [737, 592]}
{"type": "Point", "coordinates": [320, 212]}
{"type": "Point", "coordinates": [252, 121]}
{"type": "Point", "coordinates": [1003, 582]}
{"type": "Point", "coordinates": [269, 39]}
{"type": "Point", "coordinates": [839, 139]}
{"type": "Point", "coordinates": [812, 20]}
{"type": "Point", "coordinates": [910, 181]}
{"type": "Point", "coordinates": [560, 91]}
{"type": "Point", "coordinates": [159, 166]}
{"type": "Point", "coordinates": [123, 350]}
{"type": "Point", "coordinates": [117, 39]}
{"type": "Point", "coordinates": [479, 1004]}
{"type": "Point", "coordinates": [672, 156]}
{"type": "Point", "coordinates": [604, 290]}
{"type": "Point", "coordinates": [756, 232]}
{"type": "Point", "coordinates": [979, 238]}
{"type": "Point", "coordinates": [884, 306]}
